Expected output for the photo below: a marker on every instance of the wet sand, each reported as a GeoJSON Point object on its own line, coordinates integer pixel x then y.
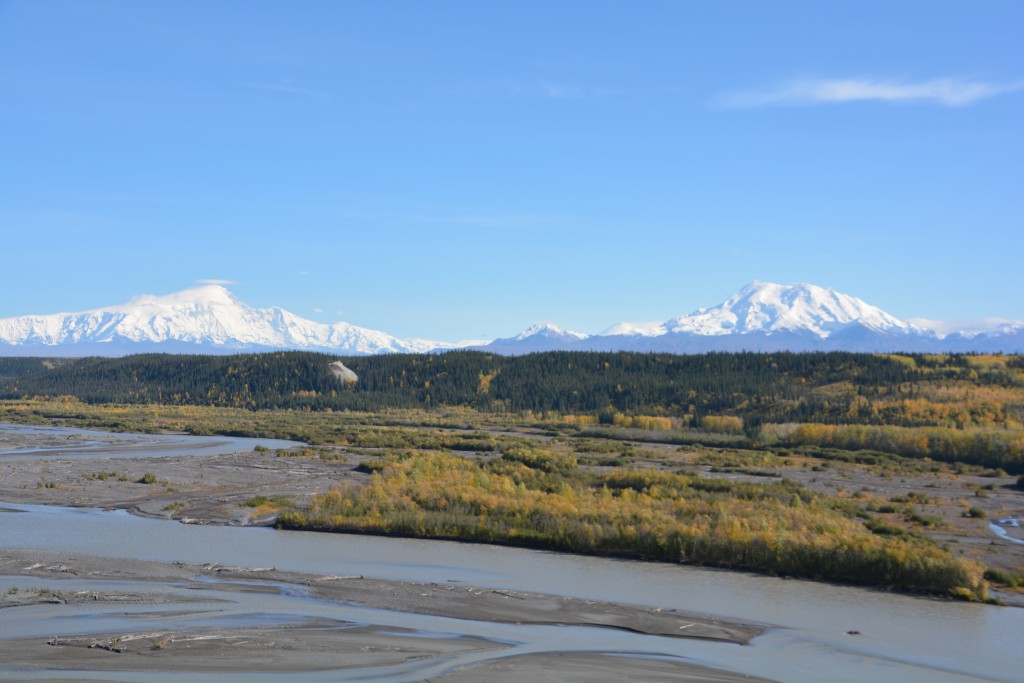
{"type": "Point", "coordinates": [326, 644]}
{"type": "Point", "coordinates": [445, 600]}
{"type": "Point", "coordinates": [38, 468]}
{"type": "Point", "coordinates": [584, 667]}
{"type": "Point", "coordinates": [308, 646]}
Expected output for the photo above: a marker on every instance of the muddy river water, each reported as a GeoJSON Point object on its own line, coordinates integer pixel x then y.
{"type": "Point", "coordinates": [815, 631]}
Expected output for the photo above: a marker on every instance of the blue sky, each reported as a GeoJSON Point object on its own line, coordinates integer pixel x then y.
{"type": "Point", "coordinates": [454, 170]}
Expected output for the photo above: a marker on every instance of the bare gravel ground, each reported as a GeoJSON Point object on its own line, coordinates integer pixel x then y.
{"type": "Point", "coordinates": [196, 490]}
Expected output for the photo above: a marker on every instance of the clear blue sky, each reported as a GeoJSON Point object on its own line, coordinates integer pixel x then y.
{"type": "Point", "coordinates": [453, 170]}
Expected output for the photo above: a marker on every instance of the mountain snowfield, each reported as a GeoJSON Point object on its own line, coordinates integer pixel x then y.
{"type": "Point", "coordinates": [767, 307]}
{"type": "Point", "coordinates": [203, 319]}
{"type": "Point", "coordinates": [763, 316]}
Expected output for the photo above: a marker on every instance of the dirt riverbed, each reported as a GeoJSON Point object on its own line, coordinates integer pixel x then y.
{"type": "Point", "coordinates": [321, 644]}
{"type": "Point", "coordinates": [214, 489]}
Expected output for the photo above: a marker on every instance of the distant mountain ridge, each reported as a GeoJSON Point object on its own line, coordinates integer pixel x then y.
{"type": "Point", "coordinates": [762, 316]}
{"type": "Point", "coordinates": [765, 316]}
{"type": "Point", "coordinates": [206, 319]}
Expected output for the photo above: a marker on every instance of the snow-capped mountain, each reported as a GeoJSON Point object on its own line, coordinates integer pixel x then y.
{"type": "Point", "coordinates": [635, 329]}
{"type": "Point", "coordinates": [549, 331]}
{"type": "Point", "coordinates": [969, 327]}
{"type": "Point", "coordinates": [539, 337]}
{"type": "Point", "coordinates": [767, 308]}
{"type": "Point", "coordinates": [207, 319]}
{"type": "Point", "coordinates": [762, 316]}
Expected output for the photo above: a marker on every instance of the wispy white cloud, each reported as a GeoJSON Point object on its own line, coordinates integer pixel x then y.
{"type": "Point", "coordinates": [215, 281]}
{"type": "Point", "coordinates": [303, 273]}
{"type": "Point", "coordinates": [947, 92]}
{"type": "Point", "coordinates": [287, 87]}
{"type": "Point", "coordinates": [318, 310]}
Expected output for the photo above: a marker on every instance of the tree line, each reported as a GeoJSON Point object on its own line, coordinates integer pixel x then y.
{"type": "Point", "coordinates": [759, 388]}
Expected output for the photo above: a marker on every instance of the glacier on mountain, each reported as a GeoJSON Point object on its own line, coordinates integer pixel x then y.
{"type": "Point", "coordinates": [762, 316]}
{"type": "Point", "coordinates": [768, 307]}
{"type": "Point", "coordinates": [765, 316]}
{"type": "Point", "coordinates": [208, 318]}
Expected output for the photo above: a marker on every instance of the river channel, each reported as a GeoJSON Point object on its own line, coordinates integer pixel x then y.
{"type": "Point", "coordinates": [894, 637]}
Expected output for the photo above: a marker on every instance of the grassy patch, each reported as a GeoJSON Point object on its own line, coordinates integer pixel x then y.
{"type": "Point", "coordinates": [271, 502]}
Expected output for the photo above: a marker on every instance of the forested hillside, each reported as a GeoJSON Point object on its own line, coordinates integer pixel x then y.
{"type": "Point", "coordinates": [963, 408]}
{"type": "Point", "coordinates": [955, 391]}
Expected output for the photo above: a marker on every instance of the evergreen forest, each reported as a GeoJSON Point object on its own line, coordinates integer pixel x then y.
{"type": "Point", "coordinates": [957, 408]}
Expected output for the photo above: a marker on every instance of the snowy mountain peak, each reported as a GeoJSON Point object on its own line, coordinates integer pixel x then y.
{"type": "Point", "coordinates": [550, 331]}
{"type": "Point", "coordinates": [208, 317]}
{"type": "Point", "coordinates": [969, 327]}
{"type": "Point", "coordinates": [635, 329]}
{"type": "Point", "coordinates": [539, 337]}
{"type": "Point", "coordinates": [762, 316]}
{"type": "Point", "coordinates": [768, 307]}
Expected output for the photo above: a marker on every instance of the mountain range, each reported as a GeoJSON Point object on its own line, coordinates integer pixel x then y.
{"type": "Point", "coordinates": [762, 316]}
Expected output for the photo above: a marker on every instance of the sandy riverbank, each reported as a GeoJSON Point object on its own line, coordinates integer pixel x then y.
{"type": "Point", "coordinates": [584, 667]}
{"type": "Point", "coordinates": [201, 489]}
{"type": "Point", "coordinates": [438, 599]}
{"type": "Point", "coordinates": [324, 644]}
{"type": "Point", "coordinates": [306, 646]}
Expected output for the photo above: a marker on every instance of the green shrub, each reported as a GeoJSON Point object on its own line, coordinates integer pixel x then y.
{"type": "Point", "coordinates": [1008, 579]}
{"type": "Point", "coordinates": [371, 466]}
{"type": "Point", "coordinates": [272, 501]}
{"type": "Point", "coordinates": [544, 461]}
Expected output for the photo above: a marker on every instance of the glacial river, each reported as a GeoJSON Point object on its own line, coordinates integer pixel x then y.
{"type": "Point", "coordinates": [900, 638]}
{"type": "Point", "coordinates": [70, 443]}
